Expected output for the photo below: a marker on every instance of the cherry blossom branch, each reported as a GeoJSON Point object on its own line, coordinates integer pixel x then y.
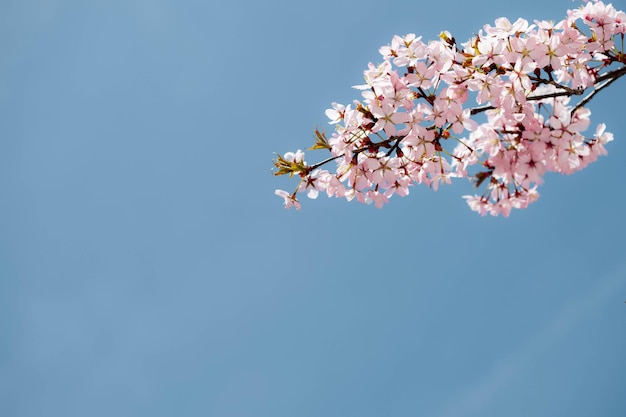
{"type": "Point", "coordinates": [415, 100]}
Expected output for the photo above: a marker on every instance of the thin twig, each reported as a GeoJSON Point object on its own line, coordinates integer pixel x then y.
{"type": "Point", "coordinates": [616, 73]}
{"type": "Point", "coordinates": [325, 161]}
{"type": "Point", "coordinates": [477, 110]}
{"type": "Point", "coordinates": [593, 93]}
{"type": "Point", "coordinates": [554, 83]}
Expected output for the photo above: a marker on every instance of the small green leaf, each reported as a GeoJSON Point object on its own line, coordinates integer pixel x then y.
{"type": "Point", "coordinates": [320, 141]}
{"type": "Point", "coordinates": [288, 167]}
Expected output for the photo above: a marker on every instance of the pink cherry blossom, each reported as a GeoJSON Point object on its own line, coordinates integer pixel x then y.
{"type": "Point", "coordinates": [289, 199]}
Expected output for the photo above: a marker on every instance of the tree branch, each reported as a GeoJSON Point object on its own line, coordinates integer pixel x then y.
{"type": "Point", "coordinates": [611, 76]}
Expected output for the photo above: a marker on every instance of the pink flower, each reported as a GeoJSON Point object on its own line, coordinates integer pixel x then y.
{"type": "Point", "coordinates": [289, 199]}
{"type": "Point", "coordinates": [379, 199]}
{"type": "Point", "coordinates": [422, 76]}
{"type": "Point", "coordinates": [313, 183]}
{"type": "Point", "coordinates": [388, 117]}
{"type": "Point", "coordinates": [400, 187]}
{"type": "Point", "coordinates": [490, 52]}
{"type": "Point", "coordinates": [601, 138]}
{"type": "Point", "coordinates": [337, 113]}
{"type": "Point", "coordinates": [478, 204]}
{"type": "Point", "coordinates": [462, 121]}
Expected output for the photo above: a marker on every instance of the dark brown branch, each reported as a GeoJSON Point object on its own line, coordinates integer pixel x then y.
{"type": "Point", "coordinates": [584, 101]}
{"type": "Point", "coordinates": [477, 110]}
{"type": "Point", "coordinates": [616, 73]}
{"type": "Point", "coordinates": [324, 162]}
{"type": "Point", "coordinates": [610, 75]}
{"type": "Point", "coordinates": [567, 89]}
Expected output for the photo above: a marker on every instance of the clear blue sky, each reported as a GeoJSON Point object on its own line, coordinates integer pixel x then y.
{"type": "Point", "coordinates": [148, 269]}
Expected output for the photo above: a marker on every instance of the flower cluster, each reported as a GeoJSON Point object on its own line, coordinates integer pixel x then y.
{"type": "Point", "coordinates": [409, 126]}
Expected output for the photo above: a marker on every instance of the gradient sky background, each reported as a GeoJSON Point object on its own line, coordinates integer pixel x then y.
{"type": "Point", "coordinates": [148, 269]}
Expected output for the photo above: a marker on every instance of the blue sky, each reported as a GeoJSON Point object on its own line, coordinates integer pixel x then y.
{"type": "Point", "coordinates": [148, 269]}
